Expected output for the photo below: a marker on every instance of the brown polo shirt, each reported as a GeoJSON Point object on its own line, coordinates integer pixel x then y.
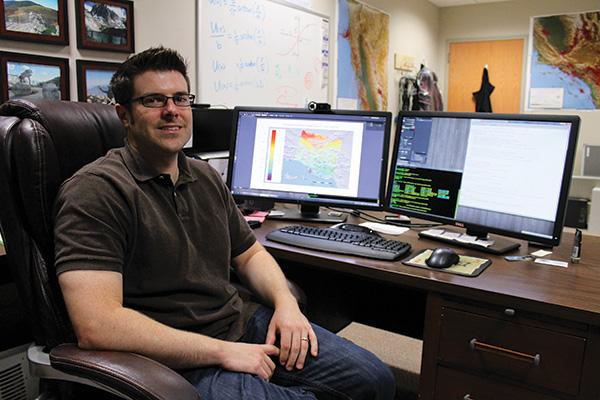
{"type": "Point", "coordinates": [173, 244]}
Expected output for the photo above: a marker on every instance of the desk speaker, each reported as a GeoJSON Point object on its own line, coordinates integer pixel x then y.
{"type": "Point", "coordinates": [591, 160]}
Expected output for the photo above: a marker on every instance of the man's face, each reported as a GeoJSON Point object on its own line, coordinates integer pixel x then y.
{"type": "Point", "coordinates": [157, 132]}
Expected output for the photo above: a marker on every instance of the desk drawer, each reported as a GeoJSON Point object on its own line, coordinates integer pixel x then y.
{"type": "Point", "coordinates": [528, 354]}
{"type": "Point", "coordinates": [455, 385]}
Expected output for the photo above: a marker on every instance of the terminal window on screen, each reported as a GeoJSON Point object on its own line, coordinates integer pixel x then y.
{"type": "Point", "coordinates": [482, 171]}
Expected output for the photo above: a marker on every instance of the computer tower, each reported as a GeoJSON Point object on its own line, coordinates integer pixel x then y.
{"type": "Point", "coordinates": [591, 160]}
{"type": "Point", "coordinates": [577, 212]}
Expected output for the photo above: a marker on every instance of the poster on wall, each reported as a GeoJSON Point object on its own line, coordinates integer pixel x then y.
{"type": "Point", "coordinates": [363, 37]}
{"type": "Point", "coordinates": [564, 62]}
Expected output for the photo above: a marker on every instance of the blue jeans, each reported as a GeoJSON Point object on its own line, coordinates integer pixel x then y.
{"type": "Point", "coordinates": [342, 370]}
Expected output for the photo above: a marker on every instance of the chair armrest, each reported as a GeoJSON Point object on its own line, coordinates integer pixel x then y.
{"type": "Point", "coordinates": [135, 376]}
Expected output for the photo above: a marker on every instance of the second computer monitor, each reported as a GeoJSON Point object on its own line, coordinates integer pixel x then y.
{"type": "Point", "coordinates": [337, 158]}
{"type": "Point", "coordinates": [501, 173]}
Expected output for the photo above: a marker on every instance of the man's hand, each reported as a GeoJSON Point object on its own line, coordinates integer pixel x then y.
{"type": "Point", "coordinates": [250, 358]}
{"type": "Point", "coordinates": [257, 268]}
{"type": "Point", "coordinates": [296, 335]}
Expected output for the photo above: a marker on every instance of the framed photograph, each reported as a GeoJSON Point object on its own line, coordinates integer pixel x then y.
{"type": "Point", "coordinates": [24, 76]}
{"type": "Point", "coordinates": [105, 25]}
{"type": "Point", "coordinates": [34, 21]}
{"type": "Point", "coordinates": [93, 79]}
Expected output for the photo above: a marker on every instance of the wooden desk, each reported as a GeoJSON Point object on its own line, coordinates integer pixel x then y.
{"type": "Point", "coordinates": [522, 309]}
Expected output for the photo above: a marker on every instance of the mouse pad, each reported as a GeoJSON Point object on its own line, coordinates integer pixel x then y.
{"type": "Point", "coordinates": [467, 265]}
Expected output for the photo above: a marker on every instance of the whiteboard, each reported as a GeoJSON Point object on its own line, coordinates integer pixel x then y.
{"type": "Point", "coordinates": [261, 53]}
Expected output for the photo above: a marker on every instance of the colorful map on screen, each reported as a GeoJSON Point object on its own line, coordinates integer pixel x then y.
{"type": "Point", "coordinates": [317, 157]}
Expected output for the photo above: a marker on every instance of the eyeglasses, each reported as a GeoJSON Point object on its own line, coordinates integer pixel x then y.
{"type": "Point", "coordinates": [160, 100]}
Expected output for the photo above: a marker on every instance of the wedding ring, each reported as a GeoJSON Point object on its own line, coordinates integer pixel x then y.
{"type": "Point", "coordinates": [304, 338]}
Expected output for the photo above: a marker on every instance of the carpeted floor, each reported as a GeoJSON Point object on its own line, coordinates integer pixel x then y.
{"type": "Point", "coordinates": [401, 353]}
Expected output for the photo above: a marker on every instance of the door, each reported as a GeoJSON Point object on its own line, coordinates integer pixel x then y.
{"type": "Point", "coordinates": [466, 61]}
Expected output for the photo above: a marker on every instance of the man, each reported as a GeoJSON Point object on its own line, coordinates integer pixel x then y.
{"type": "Point", "coordinates": [144, 240]}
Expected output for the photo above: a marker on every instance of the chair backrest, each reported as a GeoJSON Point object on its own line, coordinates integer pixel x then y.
{"type": "Point", "coordinates": [41, 144]}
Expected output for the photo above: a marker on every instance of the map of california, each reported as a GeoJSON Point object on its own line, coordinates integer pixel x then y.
{"type": "Point", "coordinates": [572, 44]}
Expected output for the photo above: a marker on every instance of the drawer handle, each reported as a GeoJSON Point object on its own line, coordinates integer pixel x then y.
{"type": "Point", "coordinates": [475, 345]}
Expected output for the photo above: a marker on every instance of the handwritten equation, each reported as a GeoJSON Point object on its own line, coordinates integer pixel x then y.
{"type": "Point", "coordinates": [219, 33]}
{"type": "Point", "coordinates": [254, 9]}
{"type": "Point", "coordinates": [257, 64]}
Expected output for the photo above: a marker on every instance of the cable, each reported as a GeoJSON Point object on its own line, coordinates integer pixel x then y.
{"type": "Point", "coordinates": [369, 217]}
{"type": "Point", "coordinates": [415, 226]}
{"type": "Point", "coordinates": [373, 218]}
{"type": "Point", "coordinates": [403, 224]}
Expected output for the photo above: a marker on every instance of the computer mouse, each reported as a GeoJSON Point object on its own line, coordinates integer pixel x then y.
{"type": "Point", "coordinates": [355, 228]}
{"type": "Point", "coordinates": [442, 258]}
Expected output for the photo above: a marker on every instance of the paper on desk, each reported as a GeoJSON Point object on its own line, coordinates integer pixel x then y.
{"type": "Point", "coordinates": [257, 216]}
{"type": "Point", "coordinates": [466, 238]}
{"type": "Point", "coordinates": [474, 240]}
{"type": "Point", "coordinates": [385, 228]}
{"type": "Point", "coordinates": [450, 235]}
{"type": "Point", "coordinates": [433, 232]}
{"type": "Point", "coordinates": [541, 253]}
{"type": "Point", "coordinates": [556, 263]}
{"type": "Point", "coordinates": [459, 237]}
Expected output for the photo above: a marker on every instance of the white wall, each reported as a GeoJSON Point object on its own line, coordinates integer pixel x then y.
{"type": "Point", "coordinates": [509, 20]}
{"type": "Point", "coordinates": [171, 24]}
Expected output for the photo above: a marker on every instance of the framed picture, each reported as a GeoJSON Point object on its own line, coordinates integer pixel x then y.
{"type": "Point", "coordinates": [37, 21]}
{"type": "Point", "coordinates": [93, 79]}
{"type": "Point", "coordinates": [105, 25]}
{"type": "Point", "coordinates": [24, 76]}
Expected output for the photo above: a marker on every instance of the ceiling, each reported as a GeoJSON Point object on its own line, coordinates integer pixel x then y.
{"type": "Point", "coordinates": [450, 3]}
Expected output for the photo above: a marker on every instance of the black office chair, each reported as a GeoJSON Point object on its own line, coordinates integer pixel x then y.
{"type": "Point", "coordinates": [41, 144]}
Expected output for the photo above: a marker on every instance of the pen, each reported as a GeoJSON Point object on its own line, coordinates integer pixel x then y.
{"type": "Point", "coordinates": [576, 251]}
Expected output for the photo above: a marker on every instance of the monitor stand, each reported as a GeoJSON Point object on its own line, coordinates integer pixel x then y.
{"type": "Point", "coordinates": [500, 245]}
{"type": "Point", "coordinates": [308, 213]}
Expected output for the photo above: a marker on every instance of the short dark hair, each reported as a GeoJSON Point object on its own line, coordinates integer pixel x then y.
{"type": "Point", "coordinates": [152, 59]}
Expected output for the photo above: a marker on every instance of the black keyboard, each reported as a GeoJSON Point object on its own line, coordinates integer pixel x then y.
{"type": "Point", "coordinates": [340, 241]}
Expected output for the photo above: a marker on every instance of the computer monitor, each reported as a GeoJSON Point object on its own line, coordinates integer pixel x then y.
{"type": "Point", "coordinates": [502, 173]}
{"type": "Point", "coordinates": [335, 158]}
{"type": "Point", "coordinates": [211, 130]}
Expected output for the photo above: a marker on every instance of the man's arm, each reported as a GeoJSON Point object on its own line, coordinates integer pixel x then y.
{"type": "Point", "coordinates": [94, 300]}
{"type": "Point", "coordinates": [256, 267]}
